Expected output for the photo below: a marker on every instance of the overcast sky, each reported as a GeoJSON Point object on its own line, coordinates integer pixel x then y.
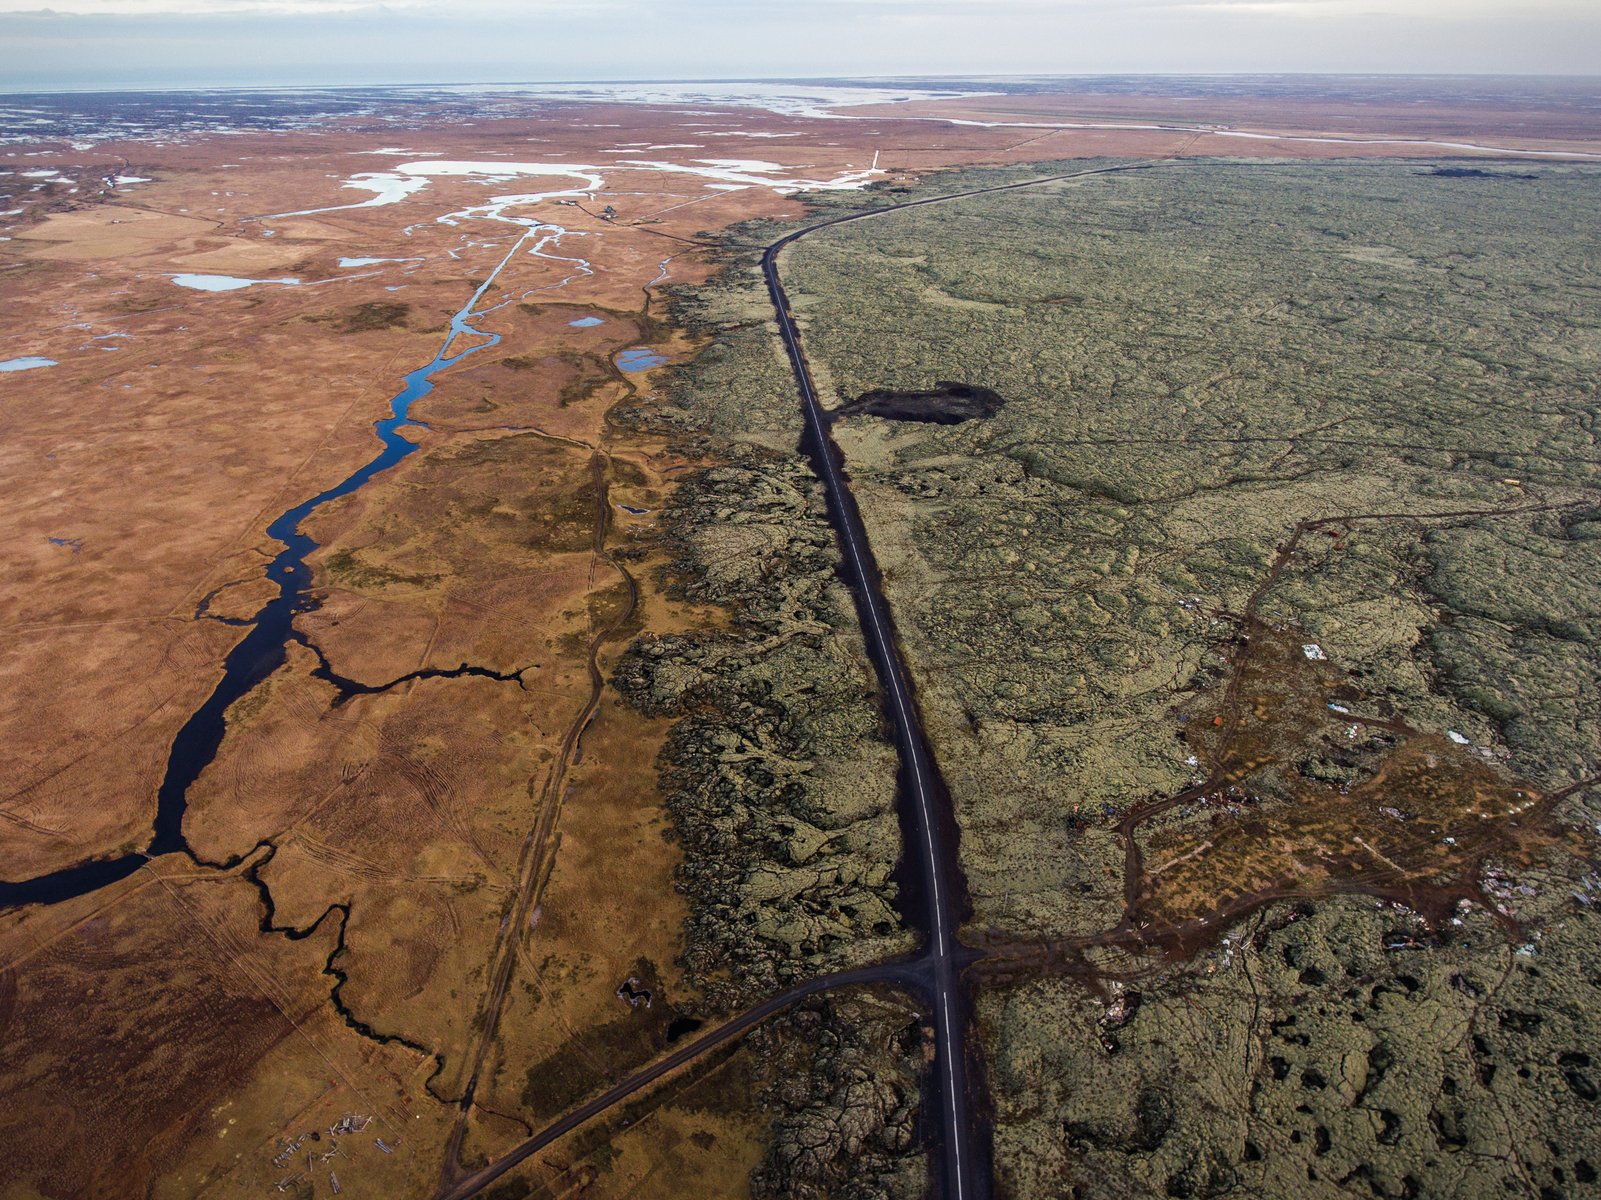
{"type": "Point", "coordinates": [108, 43]}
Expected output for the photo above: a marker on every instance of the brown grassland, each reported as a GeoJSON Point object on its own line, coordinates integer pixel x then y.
{"type": "Point", "coordinates": [448, 847]}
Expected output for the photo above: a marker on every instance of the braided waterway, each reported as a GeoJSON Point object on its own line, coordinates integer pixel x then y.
{"type": "Point", "coordinates": [263, 650]}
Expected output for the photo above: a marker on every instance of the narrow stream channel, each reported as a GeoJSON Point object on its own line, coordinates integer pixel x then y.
{"type": "Point", "coordinates": [263, 649]}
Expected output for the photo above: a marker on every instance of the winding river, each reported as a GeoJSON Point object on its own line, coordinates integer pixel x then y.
{"type": "Point", "coordinates": [272, 629]}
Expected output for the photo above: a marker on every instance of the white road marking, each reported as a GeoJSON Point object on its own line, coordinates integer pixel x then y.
{"type": "Point", "coordinates": [915, 760]}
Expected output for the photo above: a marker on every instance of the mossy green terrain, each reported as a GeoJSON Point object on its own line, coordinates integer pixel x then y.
{"type": "Point", "coordinates": [777, 773]}
{"type": "Point", "coordinates": [1276, 567]}
{"type": "Point", "coordinates": [778, 782]}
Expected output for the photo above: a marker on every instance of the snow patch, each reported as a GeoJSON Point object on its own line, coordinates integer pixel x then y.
{"type": "Point", "coordinates": [370, 262]}
{"type": "Point", "coordinates": [389, 189]}
{"type": "Point", "coordinates": [224, 283]}
{"type": "Point", "coordinates": [733, 170]}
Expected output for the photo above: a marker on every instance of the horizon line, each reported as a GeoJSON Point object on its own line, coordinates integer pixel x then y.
{"type": "Point", "coordinates": [847, 80]}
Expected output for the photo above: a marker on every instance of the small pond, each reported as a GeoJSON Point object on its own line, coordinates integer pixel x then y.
{"type": "Point", "coordinates": [640, 358]}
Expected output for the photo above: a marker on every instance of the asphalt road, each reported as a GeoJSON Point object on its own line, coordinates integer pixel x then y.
{"type": "Point", "coordinates": [928, 821]}
{"type": "Point", "coordinates": [919, 781]}
{"type": "Point", "coordinates": [962, 1174]}
{"type": "Point", "coordinates": [479, 1180]}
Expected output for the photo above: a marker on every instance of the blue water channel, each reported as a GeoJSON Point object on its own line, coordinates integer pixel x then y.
{"type": "Point", "coordinates": [272, 629]}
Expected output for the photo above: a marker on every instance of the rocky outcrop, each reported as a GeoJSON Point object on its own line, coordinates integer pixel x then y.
{"type": "Point", "coordinates": [778, 781]}
{"type": "Point", "coordinates": [845, 1103]}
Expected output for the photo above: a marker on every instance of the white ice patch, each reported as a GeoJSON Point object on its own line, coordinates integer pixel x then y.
{"type": "Point", "coordinates": [390, 189]}
{"type": "Point", "coordinates": [759, 177]}
{"type": "Point", "coordinates": [407, 179]}
{"type": "Point", "coordinates": [755, 166]}
{"type": "Point", "coordinates": [496, 172]}
{"type": "Point", "coordinates": [224, 283]}
{"type": "Point", "coordinates": [1457, 738]}
{"type": "Point", "coordinates": [371, 262]}
{"type": "Point", "coordinates": [800, 100]}
{"type": "Point", "coordinates": [1314, 651]}
{"type": "Point", "coordinates": [489, 167]}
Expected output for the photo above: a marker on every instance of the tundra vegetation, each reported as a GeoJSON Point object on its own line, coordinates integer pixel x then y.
{"type": "Point", "coordinates": [1255, 631]}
